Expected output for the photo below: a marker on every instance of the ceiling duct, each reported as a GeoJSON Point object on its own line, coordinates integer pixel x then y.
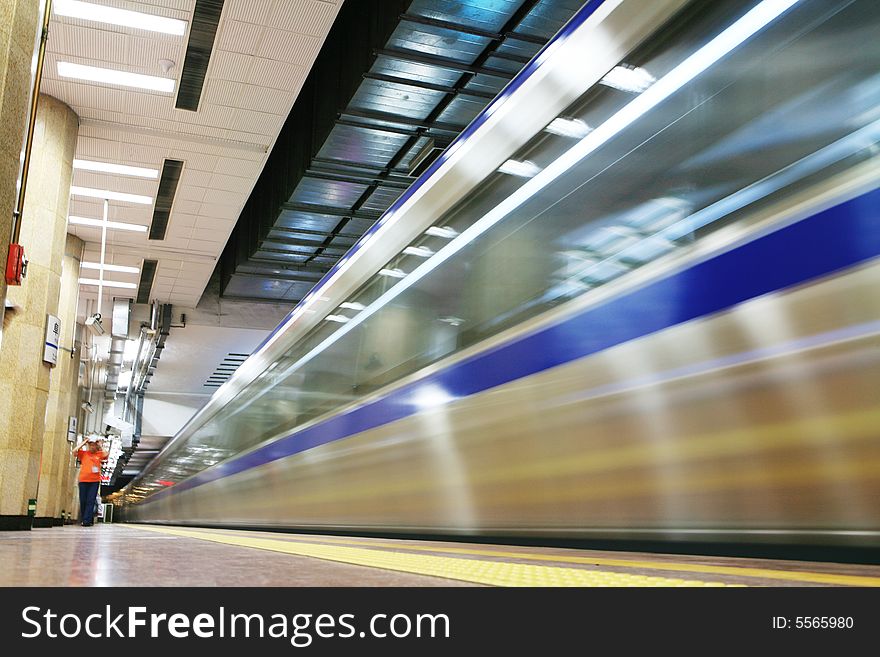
{"type": "Point", "coordinates": [426, 156]}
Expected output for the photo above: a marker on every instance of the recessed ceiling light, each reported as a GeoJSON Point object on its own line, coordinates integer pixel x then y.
{"type": "Point", "coordinates": [111, 196]}
{"type": "Point", "coordinates": [337, 318]}
{"type": "Point", "coordinates": [392, 273]}
{"type": "Point", "coordinates": [103, 14]}
{"type": "Point", "coordinates": [119, 268]}
{"type": "Point", "coordinates": [116, 225]}
{"type": "Point", "coordinates": [629, 78]}
{"type": "Point", "coordinates": [110, 76]}
{"type": "Point", "coordinates": [574, 128]}
{"type": "Point", "coordinates": [121, 169]}
{"type": "Point", "coordinates": [524, 169]}
{"type": "Point", "coordinates": [95, 281]}
{"type": "Point", "coordinates": [352, 305]}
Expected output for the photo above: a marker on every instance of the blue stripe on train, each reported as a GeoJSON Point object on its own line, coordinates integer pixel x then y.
{"type": "Point", "coordinates": [835, 239]}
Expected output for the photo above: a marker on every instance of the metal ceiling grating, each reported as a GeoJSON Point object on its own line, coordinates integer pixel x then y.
{"type": "Point", "coordinates": [206, 16]}
{"type": "Point", "coordinates": [394, 84]}
{"type": "Point", "coordinates": [145, 285]}
{"type": "Point", "coordinates": [171, 170]}
{"type": "Point", "coordinates": [224, 370]}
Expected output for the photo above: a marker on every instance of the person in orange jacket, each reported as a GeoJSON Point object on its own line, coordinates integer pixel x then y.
{"type": "Point", "coordinates": [90, 460]}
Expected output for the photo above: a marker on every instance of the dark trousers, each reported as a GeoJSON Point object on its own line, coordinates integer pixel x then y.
{"type": "Point", "coordinates": [88, 493]}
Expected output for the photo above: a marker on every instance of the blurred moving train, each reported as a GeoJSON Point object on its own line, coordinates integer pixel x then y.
{"type": "Point", "coordinates": [637, 298]}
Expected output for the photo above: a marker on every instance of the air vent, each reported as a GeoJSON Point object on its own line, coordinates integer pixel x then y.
{"type": "Point", "coordinates": [165, 198]}
{"type": "Point", "coordinates": [198, 53]}
{"type": "Point", "coordinates": [224, 371]}
{"type": "Point", "coordinates": [145, 285]}
{"type": "Point", "coordinates": [425, 157]}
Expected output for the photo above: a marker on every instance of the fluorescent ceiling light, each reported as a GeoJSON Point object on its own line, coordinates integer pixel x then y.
{"type": "Point", "coordinates": [445, 233]}
{"type": "Point", "coordinates": [95, 281]}
{"type": "Point", "coordinates": [121, 169]}
{"type": "Point", "coordinates": [103, 14]}
{"type": "Point", "coordinates": [110, 76]}
{"type": "Point", "coordinates": [120, 268]}
{"type": "Point", "coordinates": [626, 78]}
{"type": "Point", "coordinates": [420, 251]}
{"type": "Point", "coordinates": [85, 221]}
{"type": "Point", "coordinates": [392, 273]}
{"type": "Point", "coordinates": [352, 305]}
{"type": "Point", "coordinates": [524, 169]}
{"type": "Point", "coordinates": [111, 196]}
{"type": "Point", "coordinates": [337, 318]}
{"type": "Point", "coordinates": [574, 128]}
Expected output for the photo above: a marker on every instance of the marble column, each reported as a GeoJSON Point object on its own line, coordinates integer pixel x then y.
{"type": "Point", "coordinates": [24, 376]}
{"type": "Point", "coordinates": [18, 29]}
{"type": "Point", "coordinates": [57, 456]}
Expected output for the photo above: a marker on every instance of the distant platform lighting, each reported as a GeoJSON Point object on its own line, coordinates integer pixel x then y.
{"type": "Point", "coordinates": [445, 233]}
{"type": "Point", "coordinates": [629, 78]}
{"type": "Point", "coordinates": [574, 128]}
{"type": "Point", "coordinates": [420, 251]}
{"type": "Point", "coordinates": [524, 169]}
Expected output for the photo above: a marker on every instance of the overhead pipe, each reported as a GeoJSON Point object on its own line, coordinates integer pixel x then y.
{"type": "Point", "coordinates": [16, 263]}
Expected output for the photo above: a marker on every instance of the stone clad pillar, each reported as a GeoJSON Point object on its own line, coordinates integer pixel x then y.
{"type": "Point", "coordinates": [57, 457]}
{"type": "Point", "coordinates": [24, 377]}
{"type": "Point", "coordinates": [18, 29]}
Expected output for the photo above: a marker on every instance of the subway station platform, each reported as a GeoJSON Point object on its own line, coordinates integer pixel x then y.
{"type": "Point", "coordinates": [142, 555]}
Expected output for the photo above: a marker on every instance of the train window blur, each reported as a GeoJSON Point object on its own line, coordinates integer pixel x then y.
{"type": "Point", "coordinates": [793, 104]}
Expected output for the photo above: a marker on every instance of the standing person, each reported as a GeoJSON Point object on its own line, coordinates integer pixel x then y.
{"type": "Point", "coordinates": [89, 477]}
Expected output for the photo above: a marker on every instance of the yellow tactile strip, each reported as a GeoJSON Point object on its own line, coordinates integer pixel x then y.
{"type": "Point", "coordinates": [493, 573]}
{"type": "Point", "coordinates": [806, 577]}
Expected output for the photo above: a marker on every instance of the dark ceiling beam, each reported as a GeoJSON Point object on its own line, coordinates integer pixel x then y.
{"type": "Point", "coordinates": [277, 300]}
{"type": "Point", "coordinates": [449, 25]}
{"type": "Point", "coordinates": [420, 84]}
{"type": "Point", "coordinates": [375, 169]}
{"type": "Point", "coordinates": [512, 57]}
{"type": "Point", "coordinates": [417, 57]}
{"type": "Point", "coordinates": [388, 117]}
{"type": "Point", "coordinates": [271, 249]}
{"type": "Point", "coordinates": [467, 29]}
{"type": "Point", "coordinates": [286, 266]}
{"type": "Point", "coordinates": [314, 208]}
{"type": "Point", "coordinates": [380, 128]}
{"type": "Point", "coordinates": [333, 166]}
{"type": "Point", "coordinates": [360, 180]}
{"type": "Point", "coordinates": [280, 277]}
{"type": "Point", "coordinates": [262, 249]}
{"type": "Point", "coordinates": [316, 233]}
{"type": "Point", "coordinates": [292, 241]}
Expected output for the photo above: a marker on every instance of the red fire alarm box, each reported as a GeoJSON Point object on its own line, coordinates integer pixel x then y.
{"type": "Point", "coordinates": [16, 264]}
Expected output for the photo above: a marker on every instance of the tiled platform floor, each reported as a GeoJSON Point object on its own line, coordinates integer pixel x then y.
{"type": "Point", "coordinates": [139, 555]}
